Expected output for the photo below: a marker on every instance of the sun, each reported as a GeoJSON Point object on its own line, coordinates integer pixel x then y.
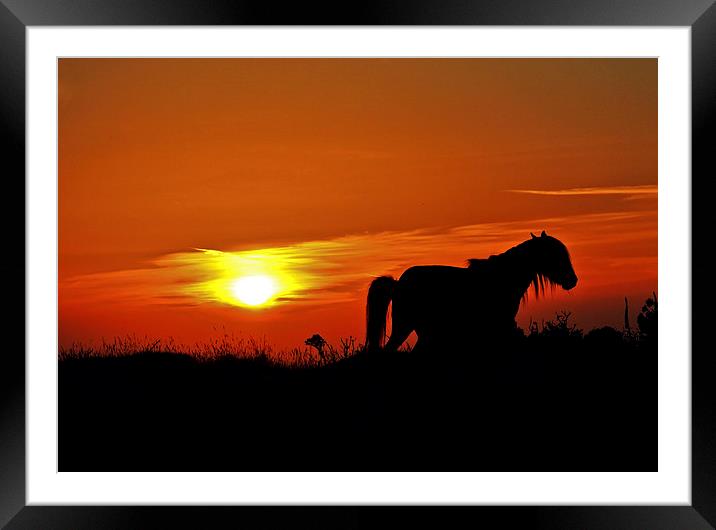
{"type": "Point", "coordinates": [253, 290]}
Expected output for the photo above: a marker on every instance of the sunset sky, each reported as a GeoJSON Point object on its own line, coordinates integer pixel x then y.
{"type": "Point", "coordinates": [180, 178]}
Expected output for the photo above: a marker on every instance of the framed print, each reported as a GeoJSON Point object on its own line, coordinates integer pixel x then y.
{"type": "Point", "coordinates": [411, 258]}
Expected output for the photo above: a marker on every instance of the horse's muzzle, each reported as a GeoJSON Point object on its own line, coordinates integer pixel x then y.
{"type": "Point", "coordinates": [570, 283]}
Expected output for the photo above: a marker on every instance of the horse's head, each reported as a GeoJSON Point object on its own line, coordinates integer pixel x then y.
{"type": "Point", "coordinates": [551, 260]}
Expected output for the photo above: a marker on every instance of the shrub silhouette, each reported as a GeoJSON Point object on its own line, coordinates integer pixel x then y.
{"type": "Point", "coordinates": [317, 342]}
{"type": "Point", "coordinates": [647, 320]}
{"type": "Point", "coordinates": [605, 337]}
{"type": "Point", "coordinates": [559, 328]}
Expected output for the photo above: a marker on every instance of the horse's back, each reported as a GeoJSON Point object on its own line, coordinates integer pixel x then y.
{"type": "Point", "coordinates": [435, 291]}
{"type": "Point", "coordinates": [446, 279]}
{"type": "Point", "coordinates": [444, 301]}
{"type": "Point", "coordinates": [433, 273]}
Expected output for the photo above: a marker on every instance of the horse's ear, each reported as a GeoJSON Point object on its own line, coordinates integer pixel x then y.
{"type": "Point", "coordinates": [533, 236]}
{"type": "Point", "coordinates": [543, 234]}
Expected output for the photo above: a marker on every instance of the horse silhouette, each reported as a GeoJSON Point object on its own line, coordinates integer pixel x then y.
{"type": "Point", "coordinates": [447, 305]}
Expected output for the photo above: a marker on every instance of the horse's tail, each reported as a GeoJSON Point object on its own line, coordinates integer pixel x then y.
{"type": "Point", "coordinates": [380, 293]}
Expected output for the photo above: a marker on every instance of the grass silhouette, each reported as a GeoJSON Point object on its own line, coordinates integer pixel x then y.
{"type": "Point", "coordinates": [550, 398]}
{"type": "Point", "coordinates": [224, 346]}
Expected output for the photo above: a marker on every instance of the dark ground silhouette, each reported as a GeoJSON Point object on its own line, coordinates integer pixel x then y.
{"type": "Point", "coordinates": [553, 400]}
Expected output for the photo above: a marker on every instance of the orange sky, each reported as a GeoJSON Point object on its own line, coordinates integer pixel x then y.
{"type": "Point", "coordinates": [333, 170]}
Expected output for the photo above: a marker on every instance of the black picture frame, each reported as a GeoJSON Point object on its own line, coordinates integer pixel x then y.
{"type": "Point", "coordinates": [16, 15]}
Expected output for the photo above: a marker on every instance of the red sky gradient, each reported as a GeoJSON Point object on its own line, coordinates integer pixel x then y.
{"type": "Point", "coordinates": [326, 172]}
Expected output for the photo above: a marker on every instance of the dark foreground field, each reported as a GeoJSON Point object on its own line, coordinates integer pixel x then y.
{"type": "Point", "coordinates": [557, 404]}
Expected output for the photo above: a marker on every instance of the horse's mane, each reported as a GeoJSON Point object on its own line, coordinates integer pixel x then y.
{"type": "Point", "coordinates": [507, 259]}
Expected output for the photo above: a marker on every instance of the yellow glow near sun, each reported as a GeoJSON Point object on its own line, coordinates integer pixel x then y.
{"type": "Point", "coordinates": [254, 290]}
{"type": "Point", "coordinates": [258, 279]}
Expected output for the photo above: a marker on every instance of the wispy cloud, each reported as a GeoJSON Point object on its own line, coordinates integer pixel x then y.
{"type": "Point", "coordinates": [337, 270]}
{"type": "Point", "coordinates": [642, 190]}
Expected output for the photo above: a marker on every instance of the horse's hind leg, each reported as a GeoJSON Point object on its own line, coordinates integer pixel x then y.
{"type": "Point", "coordinates": [400, 332]}
{"type": "Point", "coordinates": [397, 337]}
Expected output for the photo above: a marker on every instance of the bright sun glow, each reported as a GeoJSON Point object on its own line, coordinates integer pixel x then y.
{"type": "Point", "coordinates": [255, 279]}
{"type": "Point", "coordinates": [253, 290]}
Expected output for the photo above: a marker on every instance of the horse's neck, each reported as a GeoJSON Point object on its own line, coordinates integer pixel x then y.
{"type": "Point", "coordinates": [518, 267]}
